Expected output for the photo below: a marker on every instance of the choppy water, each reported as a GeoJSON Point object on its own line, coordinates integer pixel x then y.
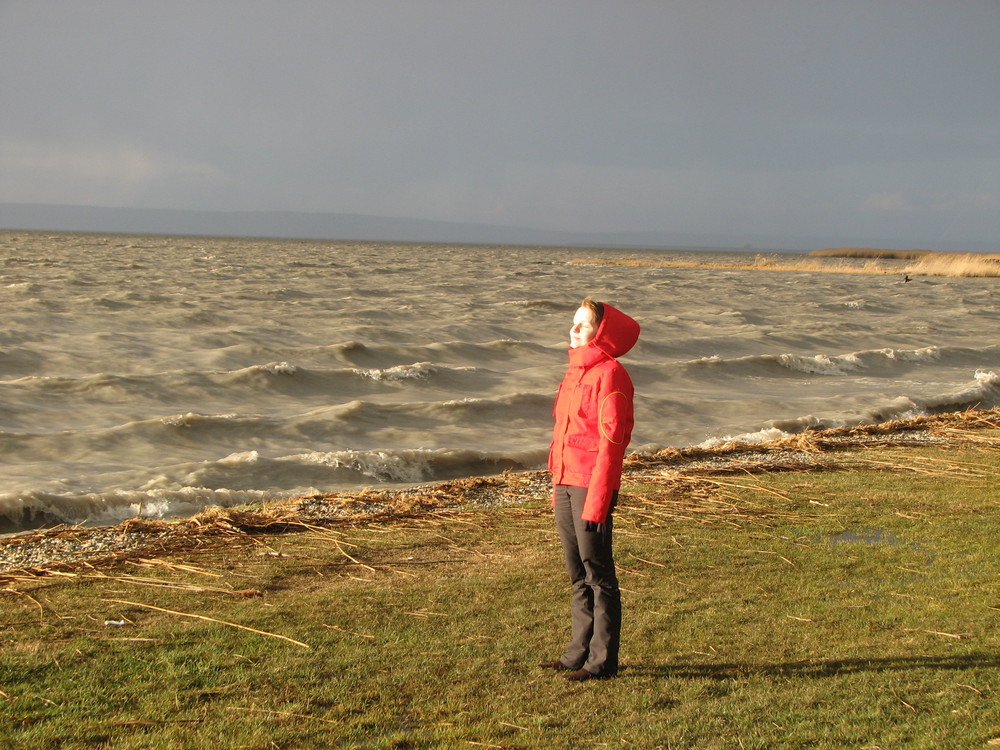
{"type": "Point", "coordinates": [157, 375]}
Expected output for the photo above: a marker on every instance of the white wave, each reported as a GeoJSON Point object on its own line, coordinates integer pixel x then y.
{"type": "Point", "coordinates": [191, 419]}
{"type": "Point", "coordinates": [271, 368]}
{"type": "Point", "coordinates": [902, 407]}
{"type": "Point", "coordinates": [753, 438]}
{"type": "Point", "coordinates": [821, 364]}
{"type": "Point", "coordinates": [21, 509]}
{"type": "Point", "coordinates": [983, 391]}
{"type": "Point", "coordinates": [245, 457]}
{"type": "Point", "coordinates": [927, 354]}
{"type": "Point", "coordinates": [416, 371]}
{"type": "Point", "coordinates": [418, 464]}
{"type": "Point", "coordinates": [844, 364]}
{"type": "Point", "coordinates": [383, 466]}
{"type": "Point", "coordinates": [467, 401]}
{"type": "Point", "coordinates": [987, 378]}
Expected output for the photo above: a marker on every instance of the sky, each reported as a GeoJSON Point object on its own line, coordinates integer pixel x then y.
{"type": "Point", "coordinates": [875, 119]}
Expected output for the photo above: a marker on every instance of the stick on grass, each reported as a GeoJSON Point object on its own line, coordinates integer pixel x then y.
{"type": "Point", "coordinates": [209, 619]}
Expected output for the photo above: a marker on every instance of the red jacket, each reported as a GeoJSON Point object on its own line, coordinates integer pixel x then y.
{"type": "Point", "coordinates": [593, 414]}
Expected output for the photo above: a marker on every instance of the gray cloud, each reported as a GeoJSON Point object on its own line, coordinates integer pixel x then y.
{"type": "Point", "coordinates": [818, 116]}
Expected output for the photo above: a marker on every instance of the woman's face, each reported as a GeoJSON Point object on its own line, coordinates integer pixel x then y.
{"type": "Point", "coordinates": [583, 329]}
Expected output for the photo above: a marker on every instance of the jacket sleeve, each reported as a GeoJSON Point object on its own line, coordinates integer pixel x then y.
{"type": "Point", "coordinates": [614, 425]}
{"type": "Point", "coordinates": [552, 446]}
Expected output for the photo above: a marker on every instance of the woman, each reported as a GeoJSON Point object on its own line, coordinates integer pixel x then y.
{"type": "Point", "coordinates": [593, 426]}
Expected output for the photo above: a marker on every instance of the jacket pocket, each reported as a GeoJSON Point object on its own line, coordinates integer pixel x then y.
{"type": "Point", "coordinates": [587, 407]}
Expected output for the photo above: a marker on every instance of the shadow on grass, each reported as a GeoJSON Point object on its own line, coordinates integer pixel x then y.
{"type": "Point", "coordinates": [815, 667]}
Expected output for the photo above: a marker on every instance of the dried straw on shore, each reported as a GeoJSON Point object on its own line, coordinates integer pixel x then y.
{"type": "Point", "coordinates": [677, 483]}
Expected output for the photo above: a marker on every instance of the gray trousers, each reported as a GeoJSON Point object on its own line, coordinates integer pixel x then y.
{"type": "Point", "coordinates": [596, 598]}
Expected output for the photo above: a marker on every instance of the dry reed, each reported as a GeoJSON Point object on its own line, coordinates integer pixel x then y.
{"type": "Point", "coordinates": [956, 265]}
{"type": "Point", "coordinates": [870, 252]}
{"type": "Point", "coordinates": [928, 263]}
{"type": "Point", "coordinates": [205, 618]}
{"type": "Point", "coordinates": [759, 263]}
{"type": "Point", "coordinates": [673, 483]}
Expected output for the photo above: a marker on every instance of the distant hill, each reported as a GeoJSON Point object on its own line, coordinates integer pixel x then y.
{"type": "Point", "coordinates": [289, 224]}
{"type": "Point", "coordinates": [330, 226]}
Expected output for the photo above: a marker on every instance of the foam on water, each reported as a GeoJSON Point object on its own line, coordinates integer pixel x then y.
{"type": "Point", "coordinates": [982, 392]}
{"type": "Point", "coordinates": [274, 368]}
{"type": "Point", "coordinates": [416, 371]}
{"type": "Point", "coordinates": [36, 509]}
{"type": "Point", "coordinates": [821, 364]}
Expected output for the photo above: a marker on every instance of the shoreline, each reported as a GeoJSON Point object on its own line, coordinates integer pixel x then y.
{"type": "Point", "coordinates": [61, 550]}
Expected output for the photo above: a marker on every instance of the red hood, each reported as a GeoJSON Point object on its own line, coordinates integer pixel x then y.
{"type": "Point", "coordinates": [615, 336]}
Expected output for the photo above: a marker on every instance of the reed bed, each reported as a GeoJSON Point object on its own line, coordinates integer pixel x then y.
{"type": "Point", "coordinates": [928, 263]}
{"type": "Point", "coordinates": [957, 265]}
{"type": "Point", "coordinates": [759, 263]}
{"type": "Point", "coordinates": [870, 252]}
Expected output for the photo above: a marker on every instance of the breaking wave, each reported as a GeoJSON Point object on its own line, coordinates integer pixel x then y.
{"type": "Point", "coordinates": [982, 392]}
{"type": "Point", "coordinates": [189, 488]}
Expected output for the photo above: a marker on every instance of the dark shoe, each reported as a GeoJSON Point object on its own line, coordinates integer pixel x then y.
{"type": "Point", "coordinates": [581, 675]}
{"type": "Point", "coordinates": [556, 665]}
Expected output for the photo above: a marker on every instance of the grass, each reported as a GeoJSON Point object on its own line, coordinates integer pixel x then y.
{"type": "Point", "coordinates": [852, 607]}
{"type": "Point", "coordinates": [927, 263]}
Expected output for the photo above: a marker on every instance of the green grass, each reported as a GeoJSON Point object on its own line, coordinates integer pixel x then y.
{"type": "Point", "coordinates": [752, 627]}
